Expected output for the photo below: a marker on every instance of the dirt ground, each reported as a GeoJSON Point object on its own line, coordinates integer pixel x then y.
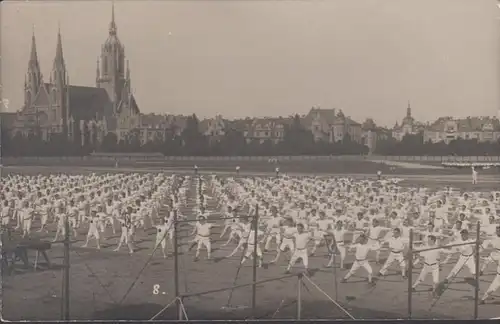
{"type": "Point", "coordinates": [343, 166]}
{"type": "Point", "coordinates": [116, 285]}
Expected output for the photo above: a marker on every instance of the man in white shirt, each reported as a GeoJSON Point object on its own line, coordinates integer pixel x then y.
{"type": "Point", "coordinates": [362, 249]}
{"type": "Point", "coordinates": [494, 243]}
{"type": "Point", "coordinates": [301, 238]}
{"type": "Point", "coordinates": [161, 236]}
{"type": "Point", "coordinates": [431, 262]}
{"type": "Point", "coordinates": [466, 257]}
{"type": "Point", "coordinates": [287, 243]}
{"type": "Point", "coordinates": [251, 247]}
{"type": "Point", "coordinates": [273, 228]}
{"type": "Point", "coordinates": [397, 245]}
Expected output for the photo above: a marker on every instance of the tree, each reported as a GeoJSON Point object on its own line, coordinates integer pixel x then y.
{"type": "Point", "coordinates": [297, 140]}
{"type": "Point", "coordinates": [133, 140]}
{"type": "Point", "coordinates": [194, 143]}
{"type": "Point", "coordinates": [233, 143]}
{"type": "Point", "coordinates": [109, 142]}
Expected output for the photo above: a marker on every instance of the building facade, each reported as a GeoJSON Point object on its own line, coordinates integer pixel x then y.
{"type": "Point", "coordinates": [80, 113]}
{"type": "Point", "coordinates": [446, 129]}
{"type": "Point", "coordinates": [265, 129]}
{"type": "Point", "coordinates": [409, 126]}
{"type": "Point", "coordinates": [331, 126]}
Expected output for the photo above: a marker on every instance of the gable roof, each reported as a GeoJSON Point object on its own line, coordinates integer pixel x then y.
{"type": "Point", "coordinates": [328, 115]}
{"type": "Point", "coordinates": [86, 103]}
{"type": "Point", "coordinates": [42, 97]}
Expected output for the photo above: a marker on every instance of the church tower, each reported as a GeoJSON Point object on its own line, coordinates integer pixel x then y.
{"type": "Point", "coordinates": [59, 88]}
{"type": "Point", "coordinates": [33, 78]}
{"type": "Point", "coordinates": [112, 75]}
{"type": "Point", "coordinates": [408, 110]}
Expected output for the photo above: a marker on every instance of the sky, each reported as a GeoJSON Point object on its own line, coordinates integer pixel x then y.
{"type": "Point", "coordinates": [273, 58]}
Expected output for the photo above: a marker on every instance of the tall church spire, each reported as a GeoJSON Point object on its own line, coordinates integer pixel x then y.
{"type": "Point", "coordinates": [112, 25]}
{"type": "Point", "coordinates": [59, 59]}
{"type": "Point", "coordinates": [408, 110]}
{"type": "Point", "coordinates": [33, 55]}
{"type": "Point", "coordinates": [34, 75]}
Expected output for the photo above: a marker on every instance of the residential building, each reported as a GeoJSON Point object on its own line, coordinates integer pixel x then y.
{"type": "Point", "coordinates": [214, 128]}
{"type": "Point", "coordinates": [319, 122]}
{"type": "Point", "coordinates": [262, 129]}
{"type": "Point", "coordinates": [331, 126]}
{"type": "Point", "coordinates": [446, 129]}
{"type": "Point", "coordinates": [152, 127]}
{"type": "Point", "coordinates": [344, 127]}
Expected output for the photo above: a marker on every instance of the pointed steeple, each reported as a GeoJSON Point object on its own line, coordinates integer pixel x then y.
{"type": "Point", "coordinates": [408, 110]}
{"type": "Point", "coordinates": [33, 55]}
{"type": "Point", "coordinates": [33, 77]}
{"type": "Point", "coordinates": [59, 59]}
{"type": "Point", "coordinates": [112, 25]}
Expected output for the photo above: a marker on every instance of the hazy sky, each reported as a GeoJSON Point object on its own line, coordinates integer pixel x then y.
{"type": "Point", "coordinates": [272, 58]}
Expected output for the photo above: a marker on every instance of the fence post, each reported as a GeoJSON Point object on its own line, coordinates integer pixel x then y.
{"type": "Point", "coordinates": [176, 267]}
{"type": "Point", "coordinates": [335, 272]}
{"type": "Point", "coordinates": [299, 296]}
{"type": "Point", "coordinates": [410, 273]}
{"type": "Point", "coordinates": [255, 256]}
{"type": "Point", "coordinates": [476, 290]}
{"type": "Point", "coordinates": [66, 271]}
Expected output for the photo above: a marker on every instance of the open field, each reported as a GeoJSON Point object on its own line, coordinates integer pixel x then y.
{"type": "Point", "coordinates": [342, 166]}
{"type": "Point", "coordinates": [100, 279]}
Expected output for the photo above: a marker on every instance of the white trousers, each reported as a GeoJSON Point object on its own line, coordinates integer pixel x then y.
{"type": "Point", "coordinates": [275, 236]}
{"type": "Point", "coordinates": [251, 249]}
{"type": "Point", "coordinates": [394, 257]}
{"type": "Point", "coordinates": [203, 242]}
{"type": "Point", "coordinates": [300, 254]}
{"type": "Point", "coordinates": [427, 269]}
{"type": "Point", "coordinates": [27, 224]}
{"type": "Point", "coordinates": [468, 261]}
{"type": "Point", "coordinates": [161, 240]}
{"type": "Point", "coordinates": [93, 232]}
{"type": "Point", "coordinates": [495, 284]}
{"type": "Point", "coordinates": [360, 264]}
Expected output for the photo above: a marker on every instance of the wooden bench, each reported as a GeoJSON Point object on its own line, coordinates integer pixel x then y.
{"type": "Point", "coordinates": [40, 248]}
{"type": "Point", "coordinates": [19, 251]}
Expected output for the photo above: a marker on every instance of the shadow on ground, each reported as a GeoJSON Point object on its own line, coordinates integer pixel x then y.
{"type": "Point", "coordinates": [310, 310]}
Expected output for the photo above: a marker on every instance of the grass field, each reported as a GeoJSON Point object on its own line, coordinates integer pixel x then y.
{"type": "Point", "coordinates": [101, 279]}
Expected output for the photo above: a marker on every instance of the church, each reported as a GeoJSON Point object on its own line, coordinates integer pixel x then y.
{"type": "Point", "coordinates": [83, 114]}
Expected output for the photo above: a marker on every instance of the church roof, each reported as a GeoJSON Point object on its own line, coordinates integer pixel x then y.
{"type": "Point", "coordinates": [87, 103]}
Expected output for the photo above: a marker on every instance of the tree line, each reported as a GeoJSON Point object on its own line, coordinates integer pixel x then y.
{"type": "Point", "coordinates": [191, 142]}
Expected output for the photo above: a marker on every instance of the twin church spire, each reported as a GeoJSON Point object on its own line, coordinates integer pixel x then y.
{"type": "Point", "coordinates": [110, 74]}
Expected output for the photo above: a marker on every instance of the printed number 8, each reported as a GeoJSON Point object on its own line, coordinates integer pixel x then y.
{"type": "Point", "coordinates": [155, 289]}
